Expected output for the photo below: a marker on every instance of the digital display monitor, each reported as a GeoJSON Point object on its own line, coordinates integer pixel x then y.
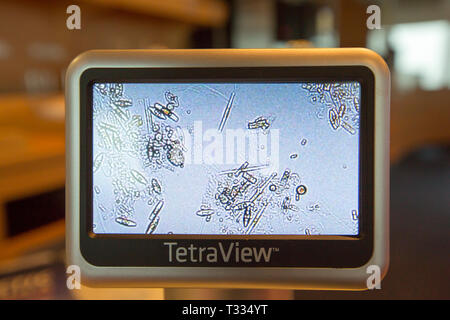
{"type": "Point", "coordinates": [224, 158]}
{"type": "Point", "coordinates": [228, 168]}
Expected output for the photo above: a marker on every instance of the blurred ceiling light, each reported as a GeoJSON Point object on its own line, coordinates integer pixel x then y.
{"type": "Point", "coordinates": [422, 50]}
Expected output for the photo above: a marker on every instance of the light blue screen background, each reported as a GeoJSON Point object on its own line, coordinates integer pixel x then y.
{"type": "Point", "coordinates": [320, 156]}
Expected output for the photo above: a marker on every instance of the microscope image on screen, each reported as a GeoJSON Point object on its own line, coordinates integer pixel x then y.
{"type": "Point", "coordinates": [226, 158]}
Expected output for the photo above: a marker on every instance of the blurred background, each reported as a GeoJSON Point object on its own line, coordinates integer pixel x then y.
{"type": "Point", "coordinates": [36, 47]}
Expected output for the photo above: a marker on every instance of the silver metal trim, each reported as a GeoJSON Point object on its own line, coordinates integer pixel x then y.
{"type": "Point", "coordinates": [281, 278]}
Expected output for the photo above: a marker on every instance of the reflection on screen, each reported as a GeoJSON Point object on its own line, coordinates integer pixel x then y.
{"type": "Point", "coordinates": [226, 158]}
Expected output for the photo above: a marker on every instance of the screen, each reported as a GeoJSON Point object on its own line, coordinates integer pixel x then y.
{"type": "Point", "coordinates": [226, 158]}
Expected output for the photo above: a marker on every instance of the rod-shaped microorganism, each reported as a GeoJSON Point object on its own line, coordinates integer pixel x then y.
{"type": "Point", "coordinates": [226, 112]}
{"type": "Point", "coordinates": [154, 217]}
{"type": "Point", "coordinates": [257, 218]}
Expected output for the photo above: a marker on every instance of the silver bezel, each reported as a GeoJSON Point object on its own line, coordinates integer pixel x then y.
{"type": "Point", "coordinates": [217, 277]}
